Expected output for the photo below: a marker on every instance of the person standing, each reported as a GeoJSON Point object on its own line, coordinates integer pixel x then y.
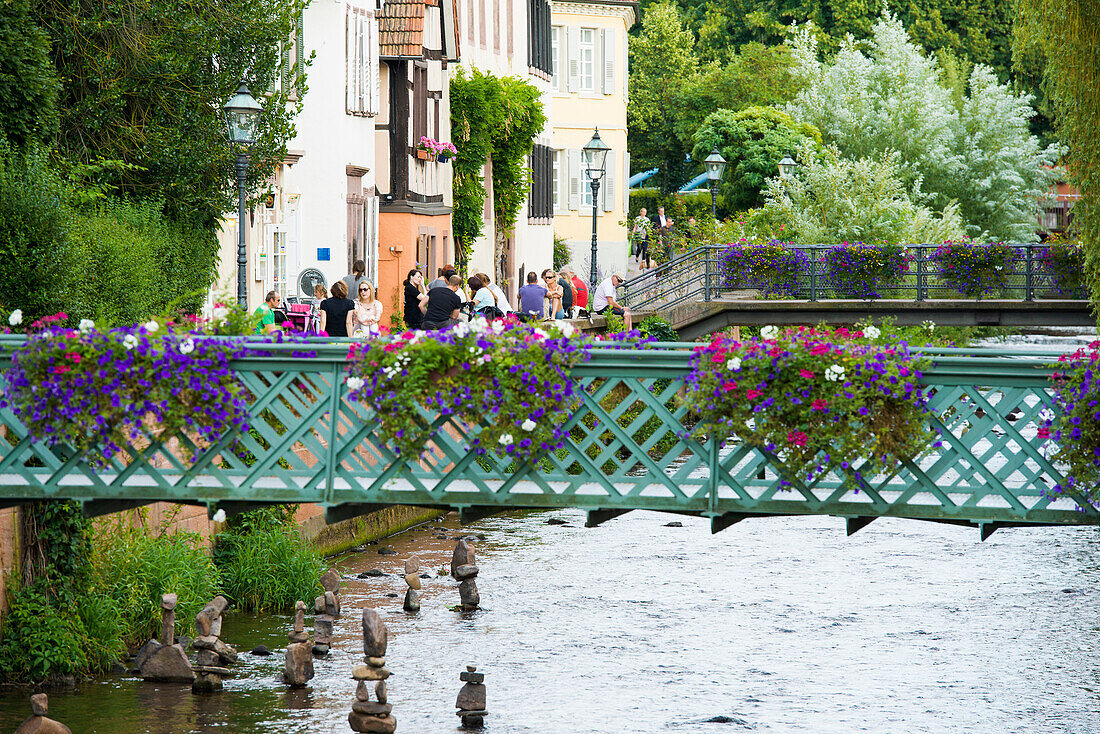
{"type": "Point", "coordinates": [368, 312]}
{"type": "Point", "coordinates": [502, 298]}
{"type": "Point", "coordinates": [414, 296]}
{"type": "Point", "coordinates": [337, 312]}
{"type": "Point", "coordinates": [531, 297]}
{"type": "Point", "coordinates": [358, 273]}
{"type": "Point", "coordinates": [603, 300]}
{"type": "Point", "coordinates": [443, 304]}
{"type": "Point", "coordinates": [664, 231]}
{"type": "Point", "coordinates": [639, 237]}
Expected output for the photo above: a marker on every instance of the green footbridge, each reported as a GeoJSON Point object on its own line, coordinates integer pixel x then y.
{"type": "Point", "coordinates": [629, 449]}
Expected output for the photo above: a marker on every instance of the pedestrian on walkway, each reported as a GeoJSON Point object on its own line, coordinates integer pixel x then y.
{"type": "Point", "coordinates": [415, 295]}
{"type": "Point", "coordinates": [337, 312]}
{"type": "Point", "coordinates": [353, 279]}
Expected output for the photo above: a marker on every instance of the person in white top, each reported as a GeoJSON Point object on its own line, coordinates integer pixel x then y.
{"type": "Point", "coordinates": [502, 300]}
{"type": "Point", "coordinates": [603, 300]}
{"type": "Point", "coordinates": [368, 311]}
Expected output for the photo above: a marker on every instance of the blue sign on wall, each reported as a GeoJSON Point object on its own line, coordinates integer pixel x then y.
{"type": "Point", "coordinates": [323, 254]}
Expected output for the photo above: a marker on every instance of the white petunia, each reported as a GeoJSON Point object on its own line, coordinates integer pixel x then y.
{"type": "Point", "coordinates": [498, 327]}
{"type": "Point", "coordinates": [219, 516]}
{"type": "Point", "coordinates": [835, 373]}
{"type": "Point", "coordinates": [734, 363]}
{"type": "Point", "coordinates": [769, 332]}
{"type": "Point", "coordinates": [220, 312]}
{"type": "Point", "coordinates": [355, 383]}
{"type": "Point", "coordinates": [567, 329]}
{"type": "Point", "coordinates": [507, 440]}
{"type": "Point", "coordinates": [1046, 415]}
{"type": "Point", "coordinates": [187, 346]}
{"type": "Point", "coordinates": [129, 341]}
{"type": "Point", "coordinates": [86, 325]}
{"type": "Point", "coordinates": [529, 425]}
{"type": "Point", "coordinates": [929, 326]}
{"type": "Point", "coordinates": [16, 317]}
{"type": "Point", "coordinates": [152, 327]}
{"type": "Point", "coordinates": [871, 332]}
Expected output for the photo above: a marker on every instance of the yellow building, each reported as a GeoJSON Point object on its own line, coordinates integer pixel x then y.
{"type": "Point", "coordinates": [588, 41]}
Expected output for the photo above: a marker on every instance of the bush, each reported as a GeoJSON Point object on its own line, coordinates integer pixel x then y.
{"type": "Point", "coordinates": [655, 327]}
{"type": "Point", "coordinates": [861, 271]}
{"type": "Point", "coordinates": [265, 564]}
{"type": "Point", "coordinates": [42, 641]}
{"type": "Point", "coordinates": [132, 568]}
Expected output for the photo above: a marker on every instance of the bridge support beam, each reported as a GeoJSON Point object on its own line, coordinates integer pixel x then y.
{"type": "Point", "coordinates": [339, 513]}
{"type": "Point", "coordinates": [233, 508]}
{"type": "Point", "coordinates": [467, 515]}
{"type": "Point", "coordinates": [854, 524]}
{"type": "Point", "coordinates": [97, 508]}
{"type": "Point", "coordinates": [599, 517]}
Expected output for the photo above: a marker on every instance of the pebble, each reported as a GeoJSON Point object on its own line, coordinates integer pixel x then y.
{"type": "Point", "coordinates": [411, 566]}
{"type": "Point", "coordinates": [674, 524]}
{"type": "Point", "coordinates": [555, 521]}
{"type": "Point", "coordinates": [413, 581]}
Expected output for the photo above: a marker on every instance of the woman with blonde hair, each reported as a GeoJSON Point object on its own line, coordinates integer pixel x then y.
{"type": "Point", "coordinates": [368, 311]}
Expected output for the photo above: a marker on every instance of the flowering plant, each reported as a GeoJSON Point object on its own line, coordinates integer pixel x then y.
{"type": "Point", "coordinates": [1065, 261]}
{"type": "Point", "coordinates": [815, 398]}
{"type": "Point", "coordinates": [437, 149]}
{"type": "Point", "coordinates": [771, 268]}
{"type": "Point", "coordinates": [1076, 426]}
{"type": "Point", "coordinates": [97, 390]}
{"type": "Point", "coordinates": [861, 271]}
{"type": "Point", "coordinates": [974, 270]}
{"type": "Point", "coordinates": [508, 379]}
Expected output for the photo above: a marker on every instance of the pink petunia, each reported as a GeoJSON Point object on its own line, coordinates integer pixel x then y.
{"type": "Point", "coordinates": [806, 374]}
{"type": "Point", "coordinates": [819, 405]}
{"type": "Point", "coordinates": [729, 386]}
{"type": "Point", "coordinates": [753, 394]}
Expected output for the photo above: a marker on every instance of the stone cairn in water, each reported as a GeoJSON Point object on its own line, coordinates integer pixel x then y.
{"type": "Point", "coordinates": [471, 699]}
{"type": "Point", "coordinates": [211, 653]}
{"type": "Point", "coordinates": [326, 609]}
{"type": "Point", "coordinates": [299, 653]}
{"type": "Point", "coordinates": [464, 570]}
{"type": "Point", "coordinates": [162, 660]}
{"type": "Point", "coordinates": [38, 723]}
{"type": "Point", "coordinates": [412, 578]}
{"type": "Point", "coordinates": [367, 715]}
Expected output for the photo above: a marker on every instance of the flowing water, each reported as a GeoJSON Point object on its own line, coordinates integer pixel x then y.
{"type": "Point", "coordinates": [776, 624]}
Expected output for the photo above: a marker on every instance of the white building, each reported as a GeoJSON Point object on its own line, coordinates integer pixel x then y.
{"type": "Point", "coordinates": [323, 212]}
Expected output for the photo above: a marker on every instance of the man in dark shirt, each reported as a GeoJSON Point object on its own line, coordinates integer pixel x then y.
{"type": "Point", "coordinates": [441, 308]}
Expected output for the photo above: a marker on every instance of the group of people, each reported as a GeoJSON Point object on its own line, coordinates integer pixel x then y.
{"type": "Point", "coordinates": [445, 301]}
{"type": "Point", "coordinates": [644, 229]}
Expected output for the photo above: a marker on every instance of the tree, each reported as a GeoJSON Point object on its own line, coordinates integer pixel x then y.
{"type": "Point", "coordinates": [144, 81]}
{"type": "Point", "coordinates": [663, 66]}
{"type": "Point", "coordinates": [28, 84]}
{"type": "Point", "coordinates": [752, 141]}
{"type": "Point", "coordinates": [834, 199]}
{"type": "Point", "coordinates": [1068, 34]}
{"type": "Point", "coordinates": [976, 150]}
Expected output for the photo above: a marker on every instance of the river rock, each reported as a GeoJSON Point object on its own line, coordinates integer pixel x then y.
{"type": "Point", "coordinates": [207, 657]}
{"type": "Point", "coordinates": [214, 670]}
{"type": "Point", "coordinates": [362, 691]}
{"type": "Point", "coordinates": [376, 662]}
{"type": "Point", "coordinates": [168, 664]}
{"type": "Point", "coordinates": [299, 664]}
{"type": "Point", "coordinates": [145, 653]}
{"type": "Point", "coordinates": [331, 581]}
{"type": "Point", "coordinates": [465, 571]}
{"type": "Point", "coordinates": [471, 697]}
{"type": "Point", "coordinates": [261, 650]}
{"type": "Point", "coordinates": [297, 637]}
{"type": "Point", "coordinates": [412, 601]}
{"type": "Point", "coordinates": [462, 556]}
{"type": "Point", "coordinates": [40, 704]}
{"type": "Point", "coordinates": [425, 575]}
{"type": "Point", "coordinates": [332, 605]}
{"type": "Point", "coordinates": [42, 725]}
{"type": "Point", "coordinates": [386, 551]}
{"type": "Point", "coordinates": [366, 672]}
{"type": "Point", "coordinates": [372, 724]}
{"type": "Point", "coordinates": [372, 708]}
{"type": "Point", "coordinates": [413, 581]}
{"type": "Point", "coordinates": [471, 677]}
{"type": "Point", "coordinates": [467, 593]}
{"type": "Point", "coordinates": [374, 634]}
{"type": "Point", "coordinates": [322, 626]}
{"type": "Point", "coordinates": [556, 521]}
{"type": "Point", "coordinates": [380, 691]}
{"type": "Point", "coordinates": [319, 605]}
{"type": "Point", "coordinates": [374, 572]}
{"type": "Point", "coordinates": [412, 565]}
{"type": "Point", "coordinates": [320, 649]}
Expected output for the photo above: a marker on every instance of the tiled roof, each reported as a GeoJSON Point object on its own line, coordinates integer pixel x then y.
{"type": "Point", "coordinates": [401, 29]}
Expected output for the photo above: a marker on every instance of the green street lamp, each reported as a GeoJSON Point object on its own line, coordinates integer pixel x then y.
{"type": "Point", "coordinates": [716, 166]}
{"type": "Point", "coordinates": [242, 112]}
{"type": "Point", "coordinates": [595, 154]}
{"type": "Point", "coordinates": [787, 166]}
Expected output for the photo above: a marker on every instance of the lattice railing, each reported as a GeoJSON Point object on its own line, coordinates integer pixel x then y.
{"type": "Point", "coordinates": [629, 448]}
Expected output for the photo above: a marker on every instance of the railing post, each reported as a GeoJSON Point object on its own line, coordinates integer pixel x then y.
{"type": "Point", "coordinates": [1029, 279]}
{"type": "Point", "coordinates": [706, 272]}
{"type": "Point", "coordinates": [920, 274]}
{"type": "Point", "coordinates": [713, 490]}
{"type": "Point", "coordinates": [813, 274]}
{"type": "Point", "coordinates": [334, 433]}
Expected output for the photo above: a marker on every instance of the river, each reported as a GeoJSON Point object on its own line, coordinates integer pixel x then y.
{"type": "Point", "coordinates": [774, 625]}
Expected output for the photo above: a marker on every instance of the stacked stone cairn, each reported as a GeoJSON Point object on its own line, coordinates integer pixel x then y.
{"type": "Point", "coordinates": [367, 715]}
{"type": "Point", "coordinates": [464, 570]}
{"type": "Point", "coordinates": [471, 699]}
{"type": "Point", "coordinates": [326, 609]}
{"type": "Point", "coordinates": [212, 655]}
{"type": "Point", "coordinates": [162, 660]}
{"type": "Point", "coordinates": [38, 723]}
{"type": "Point", "coordinates": [299, 653]}
{"type": "Point", "coordinates": [412, 578]}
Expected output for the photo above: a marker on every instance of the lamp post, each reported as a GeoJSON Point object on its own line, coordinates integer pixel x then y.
{"type": "Point", "coordinates": [595, 152]}
{"type": "Point", "coordinates": [716, 166]}
{"type": "Point", "coordinates": [241, 114]}
{"type": "Point", "coordinates": [787, 166]}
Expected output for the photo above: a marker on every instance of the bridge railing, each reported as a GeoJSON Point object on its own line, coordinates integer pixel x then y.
{"type": "Point", "coordinates": [630, 446]}
{"type": "Point", "coordinates": [699, 274]}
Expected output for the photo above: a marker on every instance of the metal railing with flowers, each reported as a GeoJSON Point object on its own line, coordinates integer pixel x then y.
{"type": "Point", "coordinates": [629, 445]}
{"type": "Point", "coordinates": [1027, 272]}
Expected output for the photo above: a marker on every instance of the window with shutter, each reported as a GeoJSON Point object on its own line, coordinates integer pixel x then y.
{"type": "Point", "coordinates": [574, 160]}
{"type": "Point", "coordinates": [609, 51]}
{"type": "Point", "coordinates": [362, 78]}
{"type": "Point", "coordinates": [586, 60]}
{"type": "Point", "coordinates": [555, 54]}
{"type": "Point", "coordinates": [573, 53]}
{"type": "Point", "coordinates": [608, 188]}
{"type": "Point", "coordinates": [626, 182]}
